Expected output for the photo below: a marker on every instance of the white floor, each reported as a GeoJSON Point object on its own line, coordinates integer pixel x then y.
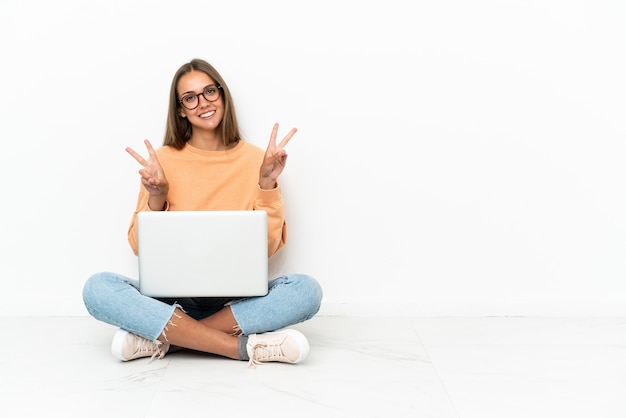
{"type": "Point", "coordinates": [358, 367]}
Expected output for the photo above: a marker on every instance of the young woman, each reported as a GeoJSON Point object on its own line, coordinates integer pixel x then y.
{"type": "Point", "coordinates": [204, 164]}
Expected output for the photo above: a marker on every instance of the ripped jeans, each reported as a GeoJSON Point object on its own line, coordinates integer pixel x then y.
{"type": "Point", "coordinates": [115, 299]}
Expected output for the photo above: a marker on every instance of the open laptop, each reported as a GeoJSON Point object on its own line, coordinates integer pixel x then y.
{"type": "Point", "coordinates": [202, 253]}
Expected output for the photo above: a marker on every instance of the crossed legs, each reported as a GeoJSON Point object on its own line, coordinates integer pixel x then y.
{"type": "Point", "coordinates": [213, 334]}
{"type": "Point", "coordinates": [231, 332]}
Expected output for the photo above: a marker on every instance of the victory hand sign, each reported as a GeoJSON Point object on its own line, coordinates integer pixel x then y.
{"type": "Point", "coordinates": [274, 160]}
{"type": "Point", "coordinates": [152, 177]}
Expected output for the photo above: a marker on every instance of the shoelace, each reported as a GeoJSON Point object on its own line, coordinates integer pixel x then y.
{"type": "Point", "coordinates": [146, 346]}
{"type": "Point", "coordinates": [267, 352]}
{"type": "Point", "coordinates": [158, 352]}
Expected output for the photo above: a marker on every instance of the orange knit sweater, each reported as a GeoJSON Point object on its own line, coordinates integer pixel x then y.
{"type": "Point", "coordinates": [217, 180]}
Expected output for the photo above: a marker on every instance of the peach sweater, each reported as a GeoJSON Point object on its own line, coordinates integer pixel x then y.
{"type": "Point", "coordinates": [217, 180]}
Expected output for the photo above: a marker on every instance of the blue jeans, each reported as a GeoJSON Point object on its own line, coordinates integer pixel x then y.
{"type": "Point", "coordinates": [115, 299]}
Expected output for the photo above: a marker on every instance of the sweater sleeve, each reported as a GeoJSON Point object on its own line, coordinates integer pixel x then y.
{"type": "Point", "coordinates": [271, 201]}
{"type": "Point", "coordinates": [142, 205]}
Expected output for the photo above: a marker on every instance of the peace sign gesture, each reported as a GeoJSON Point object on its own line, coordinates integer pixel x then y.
{"type": "Point", "coordinates": [152, 176]}
{"type": "Point", "coordinates": [274, 160]}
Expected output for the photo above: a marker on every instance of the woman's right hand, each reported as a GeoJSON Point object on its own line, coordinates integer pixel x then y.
{"type": "Point", "coordinates": [152, 177]}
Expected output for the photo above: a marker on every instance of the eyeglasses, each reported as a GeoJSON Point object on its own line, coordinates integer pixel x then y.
{"type": "Point", "coordinates": [211, 93]}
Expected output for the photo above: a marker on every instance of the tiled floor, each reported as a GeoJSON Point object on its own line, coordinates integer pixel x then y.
{"type": "Point", "coordinates": [358, 367]}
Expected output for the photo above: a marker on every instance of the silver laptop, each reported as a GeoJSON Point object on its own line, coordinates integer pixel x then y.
{"type": "Point", "coordinates": [202, 253]}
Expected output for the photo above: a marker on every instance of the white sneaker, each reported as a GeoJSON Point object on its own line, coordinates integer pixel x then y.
{"type": "Point", "coordinates": [127, 346]}
{"type": "Point", "coordinates": [286, 346]}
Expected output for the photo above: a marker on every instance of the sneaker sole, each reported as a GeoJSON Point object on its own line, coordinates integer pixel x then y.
{"type": "Point", "coordinates": [302, 342]}
{"type": "Point", "coordinates": [118, 341]}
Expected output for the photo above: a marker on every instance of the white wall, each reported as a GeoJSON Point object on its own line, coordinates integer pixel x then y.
{"type": "Point", "coordinates": [453, 157]}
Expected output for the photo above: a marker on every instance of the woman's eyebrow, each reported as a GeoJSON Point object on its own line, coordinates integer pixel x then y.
{"type": "Point", "coordinates": [208, 85]}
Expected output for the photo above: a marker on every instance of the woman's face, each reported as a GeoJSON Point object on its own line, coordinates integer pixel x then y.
{"type": "Point", "coordinates": [198, 89]}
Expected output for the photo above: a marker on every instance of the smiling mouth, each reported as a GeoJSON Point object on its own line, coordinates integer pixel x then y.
{"type": "Point", "coordinates": [207, 114]}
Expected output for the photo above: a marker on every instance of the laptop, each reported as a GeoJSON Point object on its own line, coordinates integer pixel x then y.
{"type": "Point", "coordinates": [202, 253]}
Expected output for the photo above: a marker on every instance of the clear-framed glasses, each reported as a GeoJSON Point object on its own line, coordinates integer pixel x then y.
{"type": "Point", "coordinates": [211, 93]}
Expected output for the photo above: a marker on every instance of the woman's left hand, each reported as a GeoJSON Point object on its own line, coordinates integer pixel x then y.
{"type": "Point", "coordinates": [274, 160]}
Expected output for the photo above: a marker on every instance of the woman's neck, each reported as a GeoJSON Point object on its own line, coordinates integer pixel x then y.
{"type": "Point", "coordinates": [208, 141]}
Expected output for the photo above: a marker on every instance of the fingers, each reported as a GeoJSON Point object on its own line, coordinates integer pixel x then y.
{"type": "Point", "coordinates": [273, 136]}
{"type": "Point", "coordinates": [150, 182]}
{"type": "Point", "coordinates": [274, 162]}
{"type": "Point", "coordinates": [152, 177]}
{"type": "Point", "coordinates": [149, 146]}
{"type": "Point", "coordinates": [147, 176]}
{"type": "Point", "coordinates": [138, 157]}
{"type": "Point", "coordinates": [285, 140]}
